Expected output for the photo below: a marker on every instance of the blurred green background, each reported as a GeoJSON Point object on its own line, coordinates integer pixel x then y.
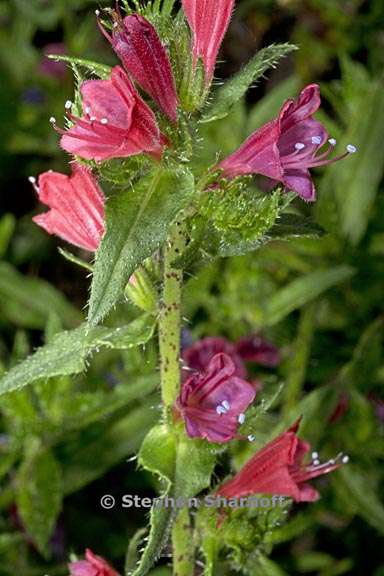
{"type": "Point", "coordinates": [319, 300]}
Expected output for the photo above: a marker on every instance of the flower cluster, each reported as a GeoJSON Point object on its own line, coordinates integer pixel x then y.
{"type": "Point", "coordinates": [116, 122]}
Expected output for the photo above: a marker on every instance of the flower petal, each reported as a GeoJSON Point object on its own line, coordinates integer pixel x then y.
{"type": "Point", "coordinates": [300, 181]}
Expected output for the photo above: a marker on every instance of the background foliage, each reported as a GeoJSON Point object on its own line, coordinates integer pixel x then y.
{"type": "Point", "coordinates": [66, 442]}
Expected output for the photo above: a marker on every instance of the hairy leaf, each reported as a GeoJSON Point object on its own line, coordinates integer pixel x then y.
{"type": "Point", "coordinates": [237, 86]}
{"type": "Point", "coordinates": [303, 290]}
{"type": "Point", "coordinates": [28, 302]}
{"type": "Point", "coordinates": [137, 222]}
{"type": "Point", "coordinates": [69, 351]}
{"type": "Point", "coordinates": [101, 70]}
{"type": "Point", "coordinates": [38, 497]}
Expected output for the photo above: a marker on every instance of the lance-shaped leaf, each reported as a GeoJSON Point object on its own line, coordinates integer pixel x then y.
{"type": "Point", "coordinates": [303, 290]}
{"type": "Point", "coordinates": [28, 302]}
{"type": "Point", "coordinates": [137, 222]}
{"type": "Point", "coordinates": [101, 70]}
{"type": "Point", "coordinates": [68, 351]}
{"type": "Point", "coordinates": [237, 86]}
{"type": "Point", "coordinates": [38, 497]}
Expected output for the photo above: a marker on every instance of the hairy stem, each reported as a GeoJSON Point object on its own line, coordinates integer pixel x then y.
{"type": "Point", "coordinates": [183, 548]}
{"type": "Point", "coordinates": [170, 318]}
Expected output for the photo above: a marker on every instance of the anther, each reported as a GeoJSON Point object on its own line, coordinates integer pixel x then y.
{"type": "Point", "coordinates": [97, 12]}
{"type": "Point", "coordinates": [345, 459]}
{"type": "Point", "coordinates": [88, 110]}
{"type": "Point", "coordinates": [220, 410]}
{"type": "Point", "coordinates": [241, 418]}
{"type": "Point", "coordinates": [93, 118]}
{"type": "Point", "coordinates": [315, 455]}
{"type": "Point", "coordinates": [52, 120]}
{"type": "Point", "coordinates": [68, 105]}
{"type": "Point", "coordinates": [226, 404]}
{"type": "Point", "coordinates": [316, 462]}
{"type": "Point", "coordinates": [251, 438]}
{"type": "Point", "coordinates": [332, 141]}
{"type": "Point", "coordinates": [316, 139]}
{"type": "Point", "coordinates": [104, 121]}
{"type": "Point", "coordinates": [32, 179]}
{"type": "Point", "coordinates": [351, 149]}
{"type": "Point", "coordinates": [299, 145]}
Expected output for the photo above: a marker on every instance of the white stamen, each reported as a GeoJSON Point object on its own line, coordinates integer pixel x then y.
{"type": "Point", "coordinates": [104, 121]}
{"type": "Point", "coordinates": [241, 418]}
{"type": "Point", "coordinates": [97, 12]}
{"type": "Point", "coordinates": [88, 110]}
{"type": "Point", "coordinates": [226, 404]}
{"type": "Point", "coordinates": [316, 462]}
{"type": "Point", "coordinates": [299, 145]}
{"type": "Point", "coordinates": [52, 120]}
{"type": "Point", "coordinates": [32, 179]}
{"type": "Point", "coordinates": [315, 455]}
{"type": "Point", "coordinates": [332, 141]}
{"type": "Point", "coordinates": [68, 105]}
{"type": "Point", "coordinates": [220, 410]}
{"type": "Point", "coordinates": [115, 24]}
{"type": "Point", "coordinates": [93, 118]}
{"type": "Point", "coordinates": [316, 139]}
{"type": "Point", "coordinates": [351, 148]}
{"type": "Point", "coordinates": [251, 438]}
{"type": "Point", "coordinates": [345, 459]}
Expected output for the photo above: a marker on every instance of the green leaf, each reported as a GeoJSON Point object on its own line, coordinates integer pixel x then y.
{"type": "Point", "coordinates": [303, 290]}
{"type": "Point", "coordinates": [137, 222]}
{"type": "Point", "coordinates": [39, 496]}
{"type": "Point", "coordinates": [194, 466]}
{"type": "Point", "coordinates": [294, 226]}
{"type": "Point", "coordinates": [7, 227]}
{"type": "Point", "coordinates": [353, 486]}
{"type": "Point", "coordinates": [101, 70]}
{"type": "Point", "coordinates": [158, 455]}
{"type": "Point", "coordinates": [236, 87]}
{"type": "Point", "coordinates": [75, 260]}
{"type": "Point", "coordinates": [68, 352]}
{"type": "Point", "coordinates": [350, 187]}
{"type": "Point", "coordinates": [28, 302]}
{"type": "Point", "coordinates": [91, 455]}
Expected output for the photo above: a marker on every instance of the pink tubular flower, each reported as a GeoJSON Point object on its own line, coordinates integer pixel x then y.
{"type": "Point", "coordinates": [198, 356]}
{"type": "Point", "coordinates": [285, 148]}
{"type": "Point", "coordinates": [256, 349]}
{"type": "Point", "coordinates": [76, 206]}
{"type": "Point", "coordinates": [93, 565]}
{"type": "Point", "coordinates": [278, 469]}
{"type": "Point", "coordinates": [116, 122]}
{"type": "Point", "coordinates": [209, 20]}
{"type": "Point", "coordinates": [138, 45]}
{"type": "Point", "coordinates": [212, 403]}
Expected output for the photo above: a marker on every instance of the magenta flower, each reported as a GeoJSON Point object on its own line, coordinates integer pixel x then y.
{"type": "Point", "coordinates": [286, 148]}
{"type": "Point", "coordinates": [93, 565]}
{"type": "Point", "coordinates": [256, 349]}
{"type": "Point", "coordinates": [209, 20]}
{"type": "Point", "coordinates": [116, 122]}
{"type": "Point", "coordinates": [198, 356]}
{"type": "Point", "coordinates": [138, 45]}
{"type": "Point", "coordinates": [212, 403]}
{"type": "Point", "coordinates": [279, 469]}
{"type": "Point", "coordinates": [76, 206]}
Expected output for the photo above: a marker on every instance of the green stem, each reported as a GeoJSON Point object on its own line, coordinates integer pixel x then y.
{"type": "Point", "coordinates": [170, 318]}
{"type": "Point", "coordinates": [183, 549]}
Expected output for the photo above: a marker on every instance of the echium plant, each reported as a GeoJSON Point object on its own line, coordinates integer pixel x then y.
{"type": "Point", "coordinates": [139, 198]}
